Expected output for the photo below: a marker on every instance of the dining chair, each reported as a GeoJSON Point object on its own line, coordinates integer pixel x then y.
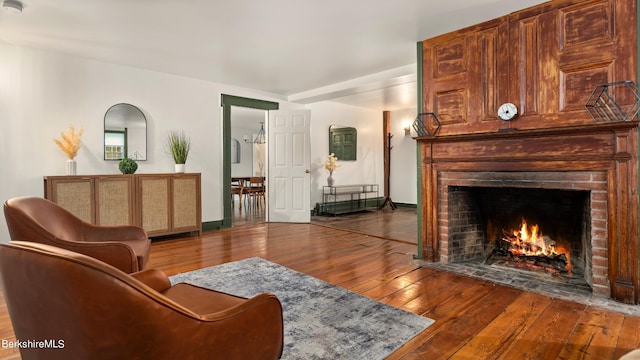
{"type": "Point", "coordinates": [256, 190]}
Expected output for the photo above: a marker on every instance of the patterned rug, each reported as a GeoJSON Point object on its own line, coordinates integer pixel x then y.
{"type": "Point", "coordinates": [321, 321]}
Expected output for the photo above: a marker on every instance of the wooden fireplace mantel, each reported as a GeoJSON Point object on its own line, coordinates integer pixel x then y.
{"type": "Point", "coordinates": [610, 148]}
{"type": "Point", "coordinates": [515, 133]}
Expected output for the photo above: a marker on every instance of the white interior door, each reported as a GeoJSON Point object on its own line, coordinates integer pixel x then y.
{"type": "Point", "coordinates": [289, 183]}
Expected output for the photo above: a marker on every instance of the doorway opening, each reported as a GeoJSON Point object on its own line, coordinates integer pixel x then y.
{"type": "Point", "coordinates": [248, 160]}
{"type": "Point", "coordinates": [240, 111]}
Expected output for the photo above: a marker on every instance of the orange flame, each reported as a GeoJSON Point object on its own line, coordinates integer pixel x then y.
{"type": "Point", "coordinates": [530, 241]}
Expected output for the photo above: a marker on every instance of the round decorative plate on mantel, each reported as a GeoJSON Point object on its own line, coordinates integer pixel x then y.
{"type": "Point", "coordinates": [507, 111]}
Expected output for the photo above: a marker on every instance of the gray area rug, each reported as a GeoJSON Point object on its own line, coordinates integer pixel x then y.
{"type": "Point", "coordinates": [321, 321]}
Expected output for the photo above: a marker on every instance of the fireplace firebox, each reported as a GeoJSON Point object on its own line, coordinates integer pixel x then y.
{"type": "Point", "coordinates": [539, 230]}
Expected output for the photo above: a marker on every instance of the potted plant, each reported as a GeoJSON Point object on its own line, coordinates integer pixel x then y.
{"type": "Point", "coordinates": [179, 145]}
{"type": "Point", "coordinates": [128, 166]}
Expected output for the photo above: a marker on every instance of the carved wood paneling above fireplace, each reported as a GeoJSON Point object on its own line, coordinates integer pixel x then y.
{"type": "Point", "coordinates": [547, 60]}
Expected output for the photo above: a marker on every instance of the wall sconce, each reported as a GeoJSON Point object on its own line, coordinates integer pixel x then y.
{"type": "Point", "coordinates": [406, 126]}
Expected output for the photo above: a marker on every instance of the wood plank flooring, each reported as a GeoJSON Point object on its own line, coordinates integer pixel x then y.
{"type": "Point", "coordinates": [474, 319]}
{"type": "Point", "coordinates": [399, 224]}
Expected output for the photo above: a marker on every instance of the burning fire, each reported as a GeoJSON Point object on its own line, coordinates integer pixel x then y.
{"type": "Point", "coordinates": [529, 242]}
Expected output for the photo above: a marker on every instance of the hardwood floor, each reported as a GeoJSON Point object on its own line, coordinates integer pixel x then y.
{"type": "Point", "coordinates": [474, 319]}
{"type": "Point", "coordinates": [399, 224]}
{"type": "Point", "coordinates": [247, 215]}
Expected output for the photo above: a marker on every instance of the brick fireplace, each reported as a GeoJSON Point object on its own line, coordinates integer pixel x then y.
{"type": "Point", "coordinates": [589, 171]}
{"type": "Point", "coordinates": [474, 207]}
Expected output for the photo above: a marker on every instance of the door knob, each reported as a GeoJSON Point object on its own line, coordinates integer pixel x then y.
{"type": "Point", "coordinates": [307, 171]}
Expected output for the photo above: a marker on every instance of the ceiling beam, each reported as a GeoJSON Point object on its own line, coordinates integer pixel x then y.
{"type": "Point", "coordinates": [397, 76]}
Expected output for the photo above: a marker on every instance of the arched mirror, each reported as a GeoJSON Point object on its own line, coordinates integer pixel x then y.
{"type": "Point", "coordinates": [125, 133]}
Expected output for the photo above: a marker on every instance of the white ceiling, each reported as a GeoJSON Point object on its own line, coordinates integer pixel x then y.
{"type": "Point", "coordinates": [358, 52]}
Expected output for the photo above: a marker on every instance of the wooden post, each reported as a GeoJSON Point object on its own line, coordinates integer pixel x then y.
{"type": "Point", "coordinates": [386, 128]}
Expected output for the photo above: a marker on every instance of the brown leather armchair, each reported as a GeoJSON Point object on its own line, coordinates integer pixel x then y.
{"type": "Point", "coordinates": [90, 310]}
{"type": "Point", "coordinates": [39, 220]}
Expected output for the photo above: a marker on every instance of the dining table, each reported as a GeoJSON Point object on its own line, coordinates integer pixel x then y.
{"type": "Point", "coordinates": [238, 185]}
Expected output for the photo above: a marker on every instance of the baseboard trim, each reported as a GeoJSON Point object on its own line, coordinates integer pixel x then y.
{"type": "Point", "coordinates": [212, 225]}
{"type": "Point", "coordinates": [406, 205]}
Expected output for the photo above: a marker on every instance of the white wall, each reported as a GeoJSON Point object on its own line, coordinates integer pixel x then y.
{"type": "Point", "coordinates": [369, 166]}
{"type": "Point", "coordinates": [404, 178]}
{"type": "Point", "coordinates": [42, 93]}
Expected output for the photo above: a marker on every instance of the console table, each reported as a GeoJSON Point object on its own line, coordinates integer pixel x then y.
{"type": "Point", "coordinates": [161, 204]}
{"type": "Point", "coordinates": [344, 199]}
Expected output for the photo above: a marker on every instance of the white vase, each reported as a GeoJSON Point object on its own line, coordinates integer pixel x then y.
{"type": "Point", "coordinates": [330, 180]}
{"type": "Point", "coordinates": [180, 168]}
{"type": "Point", "coordinates": [71, 168]}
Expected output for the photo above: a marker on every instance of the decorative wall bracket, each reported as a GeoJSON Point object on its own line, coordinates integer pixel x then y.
{"type": "Point", "coordinates": [426, 124]}
{"type": "Point", "coordinates": [613, 102]}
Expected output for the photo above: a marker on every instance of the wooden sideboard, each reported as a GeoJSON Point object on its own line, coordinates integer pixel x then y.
{"type": "Point", "coordinates": [162, 204]}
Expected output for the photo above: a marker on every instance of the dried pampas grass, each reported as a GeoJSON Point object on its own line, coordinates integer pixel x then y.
{"type": "Point", "coordinates": [332, 163]}
{"type": "Point", "coordinates": [70, 142]}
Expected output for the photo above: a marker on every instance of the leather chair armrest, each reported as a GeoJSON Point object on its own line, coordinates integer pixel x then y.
{"type": "Point", "coordinates": [261, 301]}
{"type": "Point", "coordinates": [116, 254]}
{"type": "Point", "coordinates": [154, 278]}
{"type": "Point", "coordinates": [219, 317]}
{"type": "Point", "coordinates": [257, 317]}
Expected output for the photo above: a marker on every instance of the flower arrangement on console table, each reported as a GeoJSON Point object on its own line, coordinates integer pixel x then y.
{"type": "Point", "coordinates": [179, 146]}
{"type": "Point", "coordinates": [70, 144]}
{"type": "Point", "coordinates": [331, 165]}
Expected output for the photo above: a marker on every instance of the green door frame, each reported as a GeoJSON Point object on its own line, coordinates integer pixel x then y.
{"type": "Point", "coordinates": [419, 84]}
{"type": "Point", "coordinates": [227, 102]}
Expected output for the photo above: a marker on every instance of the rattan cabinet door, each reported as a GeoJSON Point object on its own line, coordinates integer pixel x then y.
{"type": "Point", "coordinates": [115, 201]}
{"type": "Point", "coordinates": [186, 203]}
{"type": "Point", "coordinates": [73, 193]}
{"type": "Point", "coordinates": [153, 200]}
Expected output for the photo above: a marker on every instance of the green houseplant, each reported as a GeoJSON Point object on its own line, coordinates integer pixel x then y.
{"type": "Point", "coordinates": [128, 166]}
{"type": "Point", "coordinates": [179, 146]}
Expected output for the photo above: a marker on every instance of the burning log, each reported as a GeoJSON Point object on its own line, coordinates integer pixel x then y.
{"type": "Point", "coordinates": [557, 262]}
{"type": "Point", "coordinates": [541, 253]}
